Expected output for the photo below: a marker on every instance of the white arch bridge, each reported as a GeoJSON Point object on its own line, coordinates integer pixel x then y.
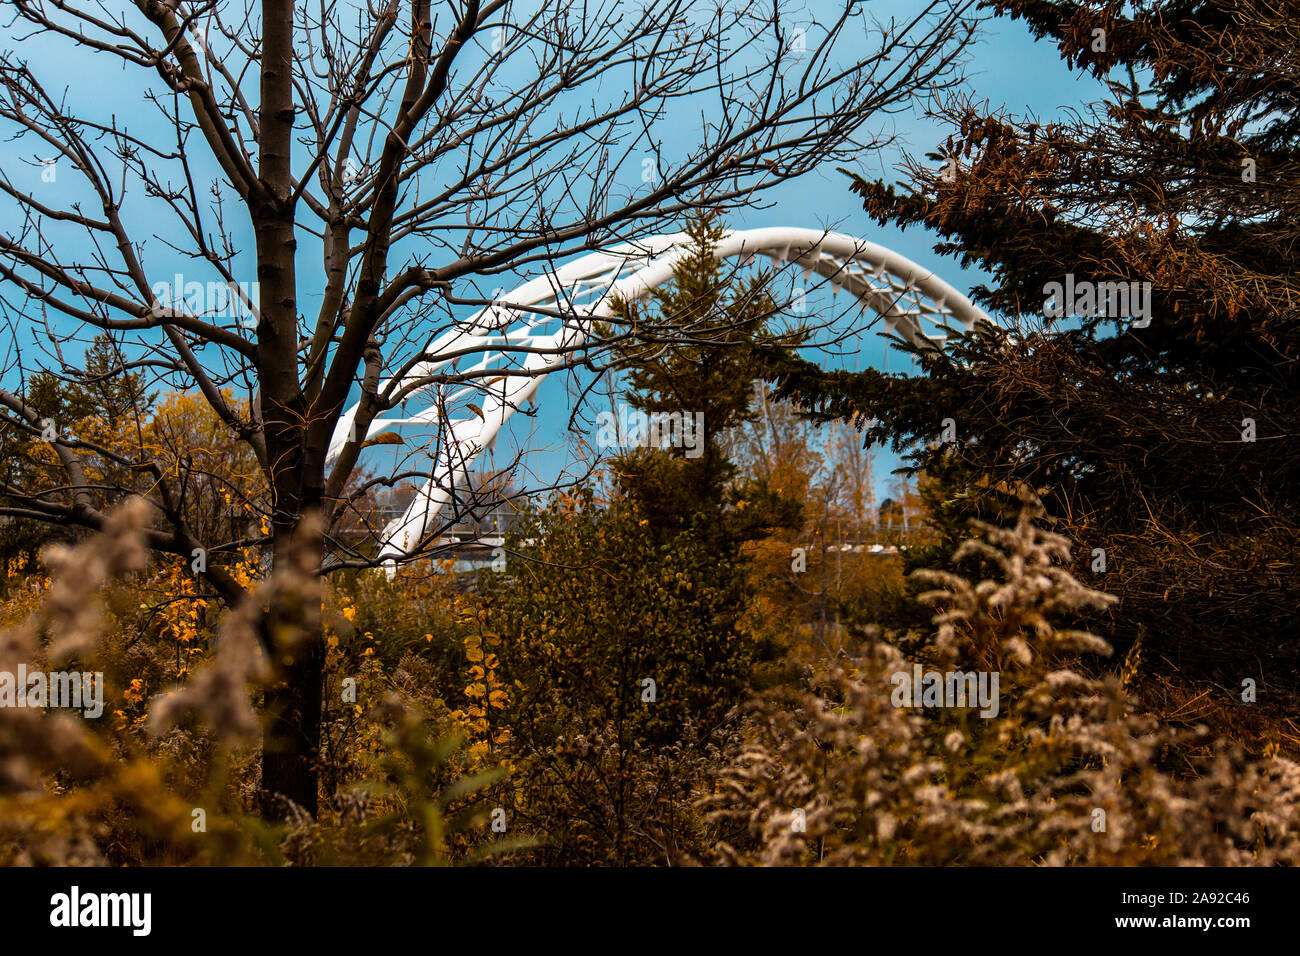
{"type": "Point", "coordinates": [544, 324]}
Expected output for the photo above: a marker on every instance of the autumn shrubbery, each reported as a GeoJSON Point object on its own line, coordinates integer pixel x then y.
{"type": "Point", "coordinates": [1068, 773]}
{"type": "Point", "coordinates": [170, 774]}
{"type": "Point", "coordinates": [621, 659]}
{"type": "Point", "coordinates": [520, 722]}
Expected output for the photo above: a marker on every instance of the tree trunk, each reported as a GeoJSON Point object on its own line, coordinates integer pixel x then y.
{"type": "Point", "coordinates": [291, 749]}
{"type": "Point", "coordinates": [295, 637]}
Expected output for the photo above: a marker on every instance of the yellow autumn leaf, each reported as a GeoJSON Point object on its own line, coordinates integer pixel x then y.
{"type": "Point", "coordinates": [384, 438]}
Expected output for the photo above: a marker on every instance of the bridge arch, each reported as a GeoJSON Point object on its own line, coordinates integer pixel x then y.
{"type": "Point", "coordinates": [540, 325]}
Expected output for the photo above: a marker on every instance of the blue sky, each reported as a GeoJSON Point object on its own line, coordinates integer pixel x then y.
{"type": "Point", "coordinates": [1008, 69]}
{"type": "Point", "coordinates": [1005, 68]}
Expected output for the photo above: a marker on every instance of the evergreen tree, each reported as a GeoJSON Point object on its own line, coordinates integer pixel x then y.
{"type": "Point", "coordinates": [1163, 438]}
{"type": "Point", "coordinates": [623, 630]}
{"type": "Point", "coordinates": [714, 320]}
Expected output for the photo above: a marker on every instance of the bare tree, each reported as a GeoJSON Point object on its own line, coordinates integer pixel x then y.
{"type": "Point", "coordinates": [389, 161]}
